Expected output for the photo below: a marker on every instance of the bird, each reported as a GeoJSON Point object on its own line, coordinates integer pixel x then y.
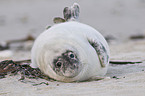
{"type": "Point", "coordinates": [71, 51]}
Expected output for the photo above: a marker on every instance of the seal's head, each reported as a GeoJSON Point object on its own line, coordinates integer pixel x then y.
{"type": "Point", "coordinates": [67, 64]}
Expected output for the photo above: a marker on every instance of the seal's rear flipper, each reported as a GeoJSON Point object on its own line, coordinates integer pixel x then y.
{"type": "Point", "coordinates": [71, 13]}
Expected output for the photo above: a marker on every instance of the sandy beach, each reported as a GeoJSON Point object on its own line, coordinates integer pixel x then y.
{"type": "Point", "coordinates": [119, 19]}
{"type": "Point", "coordinates": [130, 78]}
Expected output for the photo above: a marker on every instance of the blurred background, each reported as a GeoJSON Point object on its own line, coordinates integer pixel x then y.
{"type": "Point", "coordinates": [116, 18]}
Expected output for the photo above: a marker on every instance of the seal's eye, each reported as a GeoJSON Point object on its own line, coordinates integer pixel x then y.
{"type": "Point", "coordinates": [71, 55]}
{"type": "Point", "coordinates": [58, 64]}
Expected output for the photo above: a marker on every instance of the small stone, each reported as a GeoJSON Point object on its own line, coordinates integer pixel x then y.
{"type": "Point", "coordinates": [57, 85]}
{"type": "Point", "coordinates": [115, 77]}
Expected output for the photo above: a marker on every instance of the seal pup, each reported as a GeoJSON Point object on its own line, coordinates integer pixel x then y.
{"type": "Point", "coordinates": [71, 51]}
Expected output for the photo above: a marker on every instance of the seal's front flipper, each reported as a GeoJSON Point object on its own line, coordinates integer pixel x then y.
{"type": "Point", "coordinates": [101, 51]}
{"type": "Point", "coordinates": [58, 20]}
{"type": "Point", "coordinates": [71, 13]}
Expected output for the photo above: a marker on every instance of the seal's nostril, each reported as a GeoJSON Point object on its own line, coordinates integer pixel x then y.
{"type": "Point", "coordinates": [74, 65]}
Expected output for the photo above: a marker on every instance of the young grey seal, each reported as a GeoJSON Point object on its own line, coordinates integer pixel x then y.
{"type": "Point", "coordinates": [71, 51]}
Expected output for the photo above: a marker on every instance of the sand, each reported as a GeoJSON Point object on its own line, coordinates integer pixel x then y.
{"type": "Point", "coordinates": [130, 78]}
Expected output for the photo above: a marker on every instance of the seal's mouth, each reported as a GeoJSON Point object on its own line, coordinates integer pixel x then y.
{"type": "Point", "coordinates": [71, 71]}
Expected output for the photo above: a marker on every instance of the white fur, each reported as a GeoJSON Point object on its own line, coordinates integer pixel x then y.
{"type": "Point", "coordinates": [74, 36]}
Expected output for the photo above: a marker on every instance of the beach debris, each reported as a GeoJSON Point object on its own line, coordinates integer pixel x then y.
{"type": "Point", "coordinates": [115, 77]}
{"type": "Point", "coordinates": [23, 67]}
{"type": "Point", "coordinates": [123, 62]}
{"type": "Point", "coordinates": [137, 36]}
{"type": "Point", "coordinates": [7, 67]}
{"type": "Point", "coordinates": [41, 83]}
{"type": "Point", "coordinates": [109, 38]}
{"type": "Point", "coordinates": [28, 38]}
{"type": "Point", "coordinates": [6, 45]}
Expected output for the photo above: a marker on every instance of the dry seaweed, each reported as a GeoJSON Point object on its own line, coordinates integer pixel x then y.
{"type": "Point", "coordinates": [23, 67]}
{"type": "Point", "coordinates": [7, 44]}
{"type": "Point", "coordinates": [123, 62]}
{"type": "Point", "coordinates": [29, 37]}
{"type": "Point", "coordinates": [109, 38]}
{"type": "Point", "coordinates": [137, 36]}
{"type": "Point", "coordinates": [41, 83]}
